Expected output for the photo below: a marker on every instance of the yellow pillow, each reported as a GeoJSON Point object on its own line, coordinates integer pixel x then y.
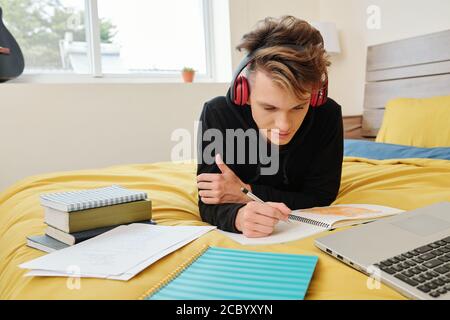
{"type": "Point", "coordinates": [417, 122]}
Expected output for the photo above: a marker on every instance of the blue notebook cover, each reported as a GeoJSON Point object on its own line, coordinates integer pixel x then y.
{"type": "Point", "coordinates": [229, 274]}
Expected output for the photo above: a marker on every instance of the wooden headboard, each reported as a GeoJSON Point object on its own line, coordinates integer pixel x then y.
{"type": "Point", "coordinates": [417, 67]}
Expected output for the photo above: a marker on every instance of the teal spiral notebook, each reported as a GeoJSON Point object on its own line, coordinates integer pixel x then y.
{"type": "Point", "coordinates": [229, 274]}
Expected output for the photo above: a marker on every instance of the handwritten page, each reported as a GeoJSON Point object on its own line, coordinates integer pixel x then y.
{"type": "Point", "coordinates": [284, 232]}
{"type": "Point", "coordinates": [333, 216]}
{"type": "Point", "coordinates": [120, 253]}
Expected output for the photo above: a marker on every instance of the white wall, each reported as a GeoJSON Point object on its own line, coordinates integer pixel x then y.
{"type": "Point", "coordinates": [244, 14]}
{"type": "Point", "coordinates": [400, 19]}
{"type": "Point", "coordinates": [347, 72]}
{"type": "Point", "coordinates": [54, 127]}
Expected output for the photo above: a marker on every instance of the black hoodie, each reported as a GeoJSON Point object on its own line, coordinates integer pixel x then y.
{"type": "Point", "coordinates": [310, 165]}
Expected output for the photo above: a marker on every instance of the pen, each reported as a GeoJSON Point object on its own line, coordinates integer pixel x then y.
{"type": "Point", "coordinates": [255, 198]}
{"type": "Point", "coordinates": [251, 195]}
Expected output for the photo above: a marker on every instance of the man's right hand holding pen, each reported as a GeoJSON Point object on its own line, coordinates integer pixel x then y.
{"type": "Point", "coordinates": [258, 218]}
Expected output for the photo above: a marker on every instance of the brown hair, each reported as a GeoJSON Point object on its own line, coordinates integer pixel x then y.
{"type": "Point", "coordinates": [294, 70]}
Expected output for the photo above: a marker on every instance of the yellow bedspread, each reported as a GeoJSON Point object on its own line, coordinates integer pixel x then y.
{"type": "Point", "coordinates": [406, 184]}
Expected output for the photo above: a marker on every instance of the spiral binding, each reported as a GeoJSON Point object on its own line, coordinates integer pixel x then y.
{"type": "Point", "coordinates": [98, 197]}
{"type": "Point", "coordinates": [309, 221]}
{"type": "Point", "coordinates": [171, 276]}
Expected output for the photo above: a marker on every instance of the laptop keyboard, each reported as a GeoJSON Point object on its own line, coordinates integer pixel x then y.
{"type": "Point", "coordinates": [426, 268]}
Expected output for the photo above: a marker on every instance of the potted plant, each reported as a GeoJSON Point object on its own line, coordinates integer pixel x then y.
{"type": "Point", "coordinates": [188, 74]}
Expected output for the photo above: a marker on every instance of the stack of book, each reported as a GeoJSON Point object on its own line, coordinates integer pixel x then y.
{"type": "Point", "coordinates": [73, 217]}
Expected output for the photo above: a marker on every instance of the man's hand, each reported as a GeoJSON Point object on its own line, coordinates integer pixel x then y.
{"type": "Point", "coordinates": [257, 219]}
{"type": "Point", "coordinates": [225, 187]}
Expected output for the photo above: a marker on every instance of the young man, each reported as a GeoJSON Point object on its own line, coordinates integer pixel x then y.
{"type": "Point", "coordinates": [287, 67]}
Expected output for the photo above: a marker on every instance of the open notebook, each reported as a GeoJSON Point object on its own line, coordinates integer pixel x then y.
{"type": "Point", "coordinates": [307, 222]}
{"type": "Point", "coordinates": [224, 274]}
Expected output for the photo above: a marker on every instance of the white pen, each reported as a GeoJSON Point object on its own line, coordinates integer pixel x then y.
{"type": "Point", "coordinates": [251, 195]}
{"type": "Point", "coordinates": [255, 198]}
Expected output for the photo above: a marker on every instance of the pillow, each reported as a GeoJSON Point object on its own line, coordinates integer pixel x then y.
{"type": "Point", "coordinates": [417, 122]}
{"type": "Point", "coordinates": [383, 151]}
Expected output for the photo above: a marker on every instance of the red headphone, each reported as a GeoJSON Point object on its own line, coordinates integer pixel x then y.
{"type": "Point", "coordinates": [240, 89]}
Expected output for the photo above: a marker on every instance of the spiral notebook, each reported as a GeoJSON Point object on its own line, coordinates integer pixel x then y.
{"type": "Point", "coordinates": [229, 274]}
{"type": "Point", "coordinates": [92, 198]}
{"type": "Point", "coordinates": [307, 222]}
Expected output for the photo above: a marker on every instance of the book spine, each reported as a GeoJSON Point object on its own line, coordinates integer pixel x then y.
{"type": "Point", "coordinates": [81, 236]}
{"type": "Point", "coordinates": [174, 274]}
{"type": "Point", "coordinates": [310, 221]}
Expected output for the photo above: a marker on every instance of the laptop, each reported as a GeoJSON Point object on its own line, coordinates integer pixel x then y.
{"type": "Point", "coordinates": [409, 252]}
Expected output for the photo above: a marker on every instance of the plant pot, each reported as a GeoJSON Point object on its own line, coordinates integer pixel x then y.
{"type": "Point", "coordinates": [188, 76]}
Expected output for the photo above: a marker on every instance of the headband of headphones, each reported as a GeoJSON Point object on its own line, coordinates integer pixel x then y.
{"type": "Point", "coordinates": [240, 87]}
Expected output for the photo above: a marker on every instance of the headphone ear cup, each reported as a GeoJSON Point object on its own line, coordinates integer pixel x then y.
{"type": "Point", "coordinates": [323, 93]}
{"type": "Point", "coordinates": [237, 91]}
{"type": "Point", "coordinates": [314, 96]}
{"type": "Point", "coordinates": [241, 92]}
{"type": "Point", "coordinates": [320, 97]}
{"type": "Point", "coordinates": [245, 91]}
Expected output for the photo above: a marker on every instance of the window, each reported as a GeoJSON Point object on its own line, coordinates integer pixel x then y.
{"type": "Point", "coordinates": [112, 37]}
{"type": "Point", "coordinates": [163, 40]}
{"type": "Point", "coordinates": [42, 28]}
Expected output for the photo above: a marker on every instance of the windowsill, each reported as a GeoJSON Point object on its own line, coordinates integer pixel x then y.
{"type": "Point", "coordinates": [114, 79]}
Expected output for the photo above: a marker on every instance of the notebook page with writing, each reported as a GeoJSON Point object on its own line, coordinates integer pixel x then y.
{"type": "Point", "coordinates": [344, 214]}
{"type": "Point", "coordinates": [224, 274]}
{"type": "Point", "coordinates": [118, 251]}
{"type": "Point", "coordinates": [283, 232]}
{"type": "Point", "coordinates": [304, 223]}
{"type": "Point", "coordinates": [123, 277]}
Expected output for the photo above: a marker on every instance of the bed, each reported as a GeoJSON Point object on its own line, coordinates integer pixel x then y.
{"type": "Point", "coordinates": [407, 179]}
